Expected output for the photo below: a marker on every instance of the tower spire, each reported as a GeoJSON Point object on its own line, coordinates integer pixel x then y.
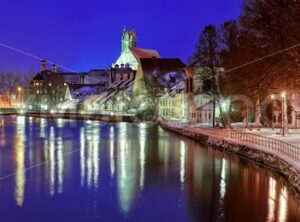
{"type": "Point", "coordinates": [128, 39]}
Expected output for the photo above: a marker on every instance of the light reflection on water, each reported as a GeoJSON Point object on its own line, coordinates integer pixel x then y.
{"type": "Point", "coordinates": [20, 165]}
{"type": "Point", "coordinates": [95, 171]}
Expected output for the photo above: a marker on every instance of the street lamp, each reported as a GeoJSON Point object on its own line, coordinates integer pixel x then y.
{"type": "Point", "coordinates": [272, 111]}
{"type": "Point", "coordinates": [284, 113]}
{"type": "Point", "coordinates": [19, 97]}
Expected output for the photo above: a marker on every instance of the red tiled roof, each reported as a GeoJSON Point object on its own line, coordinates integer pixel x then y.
{"type": "Point", "coordinates": [144, 53]}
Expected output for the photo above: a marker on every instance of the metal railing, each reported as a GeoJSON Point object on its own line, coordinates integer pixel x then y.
{"type": "Point", "coordinates": [274, 146]}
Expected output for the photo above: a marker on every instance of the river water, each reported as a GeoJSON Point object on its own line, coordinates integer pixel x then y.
{"type": "Point", "coordinates": [67, 170]}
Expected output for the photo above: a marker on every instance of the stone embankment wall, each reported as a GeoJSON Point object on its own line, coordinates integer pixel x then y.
{"type": "Point", "coordinates": [291, 173]}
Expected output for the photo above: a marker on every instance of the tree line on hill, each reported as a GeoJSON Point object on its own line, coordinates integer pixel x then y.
{"type": "Point", "coordinates": [259, 53]}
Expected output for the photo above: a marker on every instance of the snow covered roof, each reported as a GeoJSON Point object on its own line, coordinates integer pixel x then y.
{"type": "Point", "coordinates": [163, 73]}
{"type": "Point", "coordinates": [144, 53]}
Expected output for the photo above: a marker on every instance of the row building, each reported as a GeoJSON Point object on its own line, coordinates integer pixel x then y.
{"type": "Point", "coordinates": [139, 82]}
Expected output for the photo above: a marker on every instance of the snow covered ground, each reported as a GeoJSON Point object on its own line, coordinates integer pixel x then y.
{"type": "Point", "coordinates": [292, 138]}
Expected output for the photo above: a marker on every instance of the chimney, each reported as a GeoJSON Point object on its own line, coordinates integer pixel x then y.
{"type": "Point", "coordinates": [81, 79]}
{"type": "Point", "coordinates": [54, 68]}
{"type": "Point", "coordinates": [43, 65]}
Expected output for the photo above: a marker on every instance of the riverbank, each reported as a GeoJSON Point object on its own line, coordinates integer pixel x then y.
{"type": "Point", "coordinates": [288, 166]}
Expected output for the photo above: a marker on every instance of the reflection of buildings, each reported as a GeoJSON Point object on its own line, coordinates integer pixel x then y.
{"type": "Point", "coordinates": [90, 154]}
{"type": "Point", "coordinates": [214, 191]}
{"type": "Point", "coordinates": [127, 170]}
{"type": "Point", "coordinates": [56, 163]}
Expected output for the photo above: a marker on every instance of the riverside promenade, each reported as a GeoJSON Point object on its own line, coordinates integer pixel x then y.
{"type": "Point", "coordinates": [276, 154]}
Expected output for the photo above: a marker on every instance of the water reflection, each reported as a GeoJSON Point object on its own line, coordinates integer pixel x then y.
{"type": "Point", "coordinates": [20, 162]}
{"type": "Point", "coordinates": [141, 168]}
{"type": "Point", "coordinates": [112, 151]}
{"type": "Point", "coordinates": [142, 141]}
{"type": "Point", "coordinates": [283, 205]}
{"type": "Point", "coordinates": [126, 170]}
{"type": "Point", "coordinates": [82, 155]}
{"type": "Point", "coordinates": [272, 199]}
{"type": "Point", "coordinates": [52, 160]}
{"type": "Point", "coordinates": [56, 162]}
{"type": "Point", "coordinates": [182, 162]}
{"type": "Point", "coordinates": [43, 125]}
{"type": "Point", "coordinates": [90, 154]}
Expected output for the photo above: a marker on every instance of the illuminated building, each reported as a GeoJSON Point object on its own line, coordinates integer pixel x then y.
{"type": "Point", "coordinates": [138, 81]}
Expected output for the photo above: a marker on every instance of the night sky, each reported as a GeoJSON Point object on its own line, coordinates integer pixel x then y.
{"type": "Point", "coordinates": [83, 35]}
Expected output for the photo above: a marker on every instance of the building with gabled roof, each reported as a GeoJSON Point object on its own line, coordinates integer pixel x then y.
{"type": "Point", "coordinates": [130, 54]}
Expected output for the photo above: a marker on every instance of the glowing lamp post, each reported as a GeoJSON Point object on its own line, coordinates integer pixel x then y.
{"type": "Point", "coordinates": [272, 111]}
{"type": "Point", "coordinates": [20, 96]}
{"type": "Point", "coordinates": [284, 114]}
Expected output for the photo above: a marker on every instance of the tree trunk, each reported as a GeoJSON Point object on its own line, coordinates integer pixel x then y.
{"type": "Point", "coordinates": [257, 113]}
{"type": "Point", "coordinates": [246, 117]}
{"type": "Point", "coordinates": [285, 123]}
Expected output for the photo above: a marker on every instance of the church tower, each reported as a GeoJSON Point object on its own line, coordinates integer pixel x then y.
{"type": "Point", "coordinates": [128, 39]}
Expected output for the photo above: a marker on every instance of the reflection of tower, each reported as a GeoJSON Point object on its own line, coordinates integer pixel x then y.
{"type": "Point", "coordinates": [128, 39]}
{"type": "Point", "coordinates": [20, 163]}
{"type": "Point", "coordinates": [126, 171]}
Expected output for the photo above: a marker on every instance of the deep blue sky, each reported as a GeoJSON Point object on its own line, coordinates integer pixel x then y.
{"type": "Point", "coordinates": [86, 34]}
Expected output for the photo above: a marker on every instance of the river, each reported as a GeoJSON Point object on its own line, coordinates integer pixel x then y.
{"type": "Point", "coordinates": [65, 170]}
